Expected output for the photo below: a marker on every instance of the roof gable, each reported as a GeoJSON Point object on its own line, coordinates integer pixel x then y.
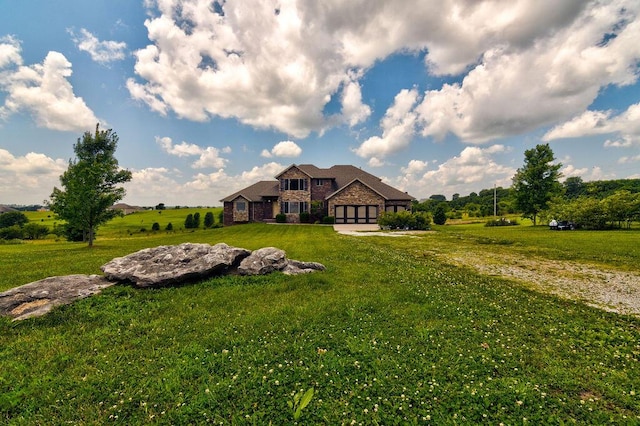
{"type": "Point", "coordinates": [304, 168]}
{"type": "Point", "coordinates": [351, 183]}
{"type": "Point", "coordinates": [345, 174]}
{"type": "Point", "coordinates": [256, 192]}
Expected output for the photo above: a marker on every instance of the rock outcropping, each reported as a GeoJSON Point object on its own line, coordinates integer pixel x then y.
{"type": "Point", "coordinates": [39, 297]}
{"type": "Point", "coordinates": [269, 259]}
{"type": "Point", "coordinates": [153, 267]}
{"type": "Point", "coordinates": [169, 265]}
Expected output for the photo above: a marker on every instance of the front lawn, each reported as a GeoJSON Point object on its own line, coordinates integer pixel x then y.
{"type": "Point", "coordinates": [386, 335]}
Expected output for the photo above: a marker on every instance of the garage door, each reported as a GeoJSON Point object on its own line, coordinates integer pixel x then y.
{"type": "Point", "coordinates": [356, 214]}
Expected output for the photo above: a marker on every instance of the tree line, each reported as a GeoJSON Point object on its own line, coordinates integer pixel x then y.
{"type": "Point", "coordinates": [538, 194]}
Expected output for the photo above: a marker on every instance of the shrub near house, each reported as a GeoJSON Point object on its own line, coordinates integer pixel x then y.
{"type": "Point", "coordinates": [405, 220]}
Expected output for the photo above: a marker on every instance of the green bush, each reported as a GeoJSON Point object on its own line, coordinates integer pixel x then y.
{"type": "Point", "coordinates": [503, 221]}
{"type": "Point", "coordinates": [305, 217]}
{"type": "Point", "coordinates": [328, 220]}
{"type": "Point", "coordinates": [11, 232]}
{"type": "Point", "coordinates": [405, 220]}
{"type": "Point", "coordinates": [188, 222]}
{"type": "Point", "coordinates": [169, 227]}
{"type": "Point", "coordinates": [281, 218]}
{"type": "Point", "coordinates": [208, 220]}
{"type": "Point", "coordinates": [12, 218]}
{"type": "Point", "coordinates": [155, 226]}
{"type": "Point", "coordinates": [440, 214]}
{"type": "Point", "coordinates": [35, 231]}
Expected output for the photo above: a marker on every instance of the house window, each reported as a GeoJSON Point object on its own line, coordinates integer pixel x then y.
{"type": "Point", "coordinates": [241, 206]}
{"type": "Point", "coordinates": [319, 182]}
{"type": "Point", "coordinates": [294, 207]}
{"type": "Point", "coordinates": [294, 184]}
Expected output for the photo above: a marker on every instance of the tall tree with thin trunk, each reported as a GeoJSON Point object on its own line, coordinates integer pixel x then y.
{"type": "Point", "coordinates": [537, 181]}
{"type": "Point", "coordinates": [90, 184]}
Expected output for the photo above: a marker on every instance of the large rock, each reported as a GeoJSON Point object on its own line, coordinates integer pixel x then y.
{"type": "Point", "coordinates": [296, 267]}
{"type": "Point", "coordinates": [169, 265]}
{"type": "Point", "coordinates": [39, 297]}
{"type": "Point", "coordinates": [269, 259]}
{"type": "Point", "coordinates": [263, 261]}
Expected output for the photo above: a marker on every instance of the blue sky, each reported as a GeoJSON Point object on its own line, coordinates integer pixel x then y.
{"type": "Point", "coordinates": [435, 97]}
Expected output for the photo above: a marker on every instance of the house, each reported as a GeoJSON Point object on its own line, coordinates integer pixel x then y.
{"type": "Point", "coordinates": [6, 209]}
{"type": "Point", "coordinates": [126, 208]}
{"type": "Point", "coordinates": [347, 193]}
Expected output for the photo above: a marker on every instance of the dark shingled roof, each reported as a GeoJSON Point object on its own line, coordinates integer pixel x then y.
{"type": "Point", "coordinates": [255, 192]}
{"type": "Point", "coordinates": [345, 174]}
{"type": "Point", "coordinates": [342, 175]}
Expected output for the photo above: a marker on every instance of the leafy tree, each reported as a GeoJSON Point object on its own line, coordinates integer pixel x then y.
{"type": "Point", "coordinates": [11, 233]}
{"type": "Point", "coordinates": [35, 231]}
{"type": "Point", "coordinates": [90, 184]}
{"type": "Point", "coordinates": [196, 220]}
{"type": "Point", "coordinates": [13, 218]}
{"type": "Point", "coordinates": [574, 187]}
{"type": "Point", "coordinates": [160, 206]}
{"type": "Point", "coordinates": [537, 181]}
{"type": "Point", "coordinates": [188, 222]}
{"type": "Point", "coordinates": [622, 207]}
{"type": "Point", "coordinates": [440, 214]}
{"type": "Point", "coordinates": [208, 220]}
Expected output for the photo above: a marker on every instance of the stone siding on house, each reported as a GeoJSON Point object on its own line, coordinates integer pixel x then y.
{"type": "Point", "coordinates": [356, 194]}
{"type": "Point", "coordinates": [241, 216]}
{"type": "Point", "coordinates": [297, 195]}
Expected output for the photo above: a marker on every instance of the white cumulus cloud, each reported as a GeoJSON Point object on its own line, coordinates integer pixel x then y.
{"type": "Point", "coordinates": [353, 110]}
{"type": "Point", "coordinates": [279, 66]}
{"type": "Point", "coordinates": [29, 178]}
{"type": "Point", "coordinates": [474, 167]}
{"type": "Point", "coordinates": [43, 90]}
{"type": "Point", "coordinates": [208, 157]}
{"type": "Point", "coordinates": [286, 149]}
{"type": "Point", "coordinates": [398, 127]}
{"type": "Point", "coordinates": [625, 125]}
{"type": "Point", "coordinates": [101, 51]}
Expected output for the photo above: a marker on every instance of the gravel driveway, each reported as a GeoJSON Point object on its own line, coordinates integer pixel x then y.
{"type": "Point", "coordinates": [608, 289]}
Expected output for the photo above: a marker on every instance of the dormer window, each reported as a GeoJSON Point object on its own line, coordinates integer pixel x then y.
{"type": "Point", "coordinates": [294, 184]}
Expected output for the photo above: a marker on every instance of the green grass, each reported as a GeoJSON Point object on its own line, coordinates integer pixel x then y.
{"type": "Point", "coordinates": [132, 225]}
{"type": "Point", "coordinates": [384, 336]}
{"type": "Point", "coordinates": [618, 248]}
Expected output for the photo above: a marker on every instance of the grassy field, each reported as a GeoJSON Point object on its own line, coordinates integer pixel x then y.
{"type": "Point", "coordinates": [386, 335]}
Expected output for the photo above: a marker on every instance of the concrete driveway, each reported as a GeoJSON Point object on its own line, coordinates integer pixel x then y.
{"type": "Point", "coordinates": [355, 227]}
